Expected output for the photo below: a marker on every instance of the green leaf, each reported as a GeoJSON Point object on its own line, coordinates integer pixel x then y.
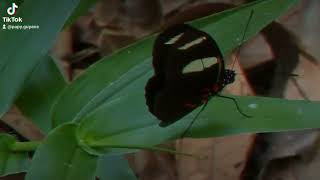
{"type": "Point", "coordinates": [11, 162]}
{"type": "Point", "coordinates": [118, 74]}
{"type": "Point", "coordinates": [109, 127]}
{"type": "Point", "coordinates": [21, 50]}
{"type": "Point", "coordinates": [40, 91]}
{"type": "Point", "coordinates": [114, 167]}
{"type": "Point", "coordinates": [122, 122]}
{"type": "Point", "coordinates": [112, 107]}
{"type": "Point", "coordinates": [60, 157]}
{"type": "Point", "coordinates": [100, 84]}
{"type": "Point", "coordinates": [3, 6]}
{"type": "Point", "coordinates": [268, 115]}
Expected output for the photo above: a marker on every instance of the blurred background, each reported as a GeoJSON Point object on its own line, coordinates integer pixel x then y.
{"type": "Point", "coordinates": [282, 61]}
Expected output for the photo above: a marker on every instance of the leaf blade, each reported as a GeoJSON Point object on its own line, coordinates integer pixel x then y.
{"type": "Point", "coordinates": [29, 45]}
{"type": "Point", "coordinates": [63, 158]}
{"type": "Point", "coordinates": [114, 167]}
{"type": "Point", "coordinates": [40, 91]}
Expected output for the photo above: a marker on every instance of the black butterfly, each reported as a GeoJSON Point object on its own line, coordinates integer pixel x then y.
{"type": "Point", "coordinates": [188, 71]}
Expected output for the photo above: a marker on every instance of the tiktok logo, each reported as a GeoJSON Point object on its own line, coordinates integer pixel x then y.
{"type": "Point", "coordinates": [12, 10]}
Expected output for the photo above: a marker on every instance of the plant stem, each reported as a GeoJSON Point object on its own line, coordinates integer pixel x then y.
{"type": "Point", "coordinates": [25, 146]}
{"type": "Point", "coordinates": [150, 148]}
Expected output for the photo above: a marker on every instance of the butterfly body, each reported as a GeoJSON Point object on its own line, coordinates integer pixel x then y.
{"type": "Point", "coordinates": [188, 70]}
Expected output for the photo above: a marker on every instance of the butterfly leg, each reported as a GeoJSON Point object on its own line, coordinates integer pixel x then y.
{"type": "Point", "coordinates": [193, 120]}
{"type": "Point", "coordinates": [237, 105]}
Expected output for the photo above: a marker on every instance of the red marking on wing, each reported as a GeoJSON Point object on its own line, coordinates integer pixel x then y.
{"type": "Point", "coordinates": [190, 105]}
{"type": "Point", "coordinates": [216, 88]}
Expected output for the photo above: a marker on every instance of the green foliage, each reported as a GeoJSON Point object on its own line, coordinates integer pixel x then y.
{"type": "Point", "coordinates": [114, 167]}
{"type": "Point", "coordinates": [60, 157]}
{"type": "Point", "coordinates": [104, 111]}
{"type": "Point", "coordinates": [21, 50]}
{"type": "Point", "coordinates": [42, 87]}
{"type": "Point", "coordinates": [10, 161]}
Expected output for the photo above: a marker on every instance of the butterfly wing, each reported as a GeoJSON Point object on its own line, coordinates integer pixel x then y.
{"type": "Point", "coordinates": [186, 62]}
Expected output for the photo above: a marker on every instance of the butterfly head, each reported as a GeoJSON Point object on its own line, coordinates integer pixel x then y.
{"type": "Point", "coordinates": [229, 76]}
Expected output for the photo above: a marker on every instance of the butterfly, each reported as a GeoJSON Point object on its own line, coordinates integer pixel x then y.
{"type": "Point", "coordinates": [188, 71]}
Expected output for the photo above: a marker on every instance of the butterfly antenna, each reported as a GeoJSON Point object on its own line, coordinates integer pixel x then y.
{"type": "Point", "coordinates": [300, 90]}
{"type": "Point", "coordinates": [237, 105]}
{"type": "Point", "coordinates": [193, 120]}
{"type": "Point", "coordinates": [241, 42]}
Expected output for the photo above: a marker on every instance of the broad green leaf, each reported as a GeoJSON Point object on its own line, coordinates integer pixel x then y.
{"type": "Point", "coordinates": [60, 157]}
{"type": "Point", "coordinates": [21, 50]}
{"type": "Point", "coordinates": [3, 6]}
{"type": "Point", "coordinates": [102, 81]}
{"type": "Point", "coordinates": [127, 71]}
{"type": "Point", "coordinates": [118, 116]}
{"type": "Point", "coordinates": [40, 91]}
{"type": "Point", "coordinates": [122, 122]}
{"type": "Point", "coordinates": [116, 125]}
{"type": "Point", "coordinates": [114, 167]}
{"type": "Point", "coordinates": [11, 162]}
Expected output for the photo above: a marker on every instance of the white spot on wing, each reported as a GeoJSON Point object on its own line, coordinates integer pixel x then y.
{"type": "Point", "coordinates": [192, 43]}
{"type": "Point", "coordinates": [174, 39]}
{"type": "Point", "coordinates": [198, 65]}
{"type": "Point", "coordinates": [209, 61]}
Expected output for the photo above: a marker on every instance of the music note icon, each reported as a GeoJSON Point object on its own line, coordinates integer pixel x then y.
{"type": "Point", "coordinates": [12, 10]}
